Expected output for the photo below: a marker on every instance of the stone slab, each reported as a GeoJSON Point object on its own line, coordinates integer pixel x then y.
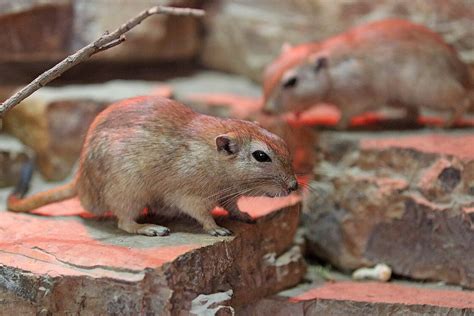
{"type": "Point", "coordinates": [69, 25]}
{"type": "Point", "coordinates": [60, 260]}
{"type": "Point", "coordinates": [400, 198]}
{"type": "Point", "coordinates": [365, 298]}
{"type": "Point", "coordinates": [158, 38]}
{"type": "Point", "coordinates": [160, 45]}
{"type": "Point", "coordinates": [26, 25]}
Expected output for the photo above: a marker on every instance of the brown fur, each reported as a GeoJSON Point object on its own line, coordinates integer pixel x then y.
{"type": "Point", "coordinates": [393, 62]}
{"type": "Point", "coordinates": [151, 151]}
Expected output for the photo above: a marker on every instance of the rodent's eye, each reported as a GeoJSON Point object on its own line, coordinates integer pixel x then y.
{"type": "Point", "coordinates": [290, 82]}
{"type": "Point", "coordinates": [320, 63]}
{"type": "Point", "coordinates": [261, 156]}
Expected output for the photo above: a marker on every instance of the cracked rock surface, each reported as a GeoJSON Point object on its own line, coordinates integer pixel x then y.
{"type": "Point", "coordinates": [404, 199]}
{"type": "Point", "coordinates": [62, 260]}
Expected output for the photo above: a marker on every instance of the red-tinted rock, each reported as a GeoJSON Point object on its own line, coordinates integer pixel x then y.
{"type": "Point", "coordinates": [36, 34]}
{"type": "Point", "coordinates": [60, 262]}
{"type": "Point", "coordinates": [69, 25]}
{"type": "Point", "coordinates": [25, 28]}
{"type": "Point", "coordinates": [370, 298]}
{"type": "Point", "coordinates": [158, 38]}
{"type": "Point", "coordinates": [398, 198]}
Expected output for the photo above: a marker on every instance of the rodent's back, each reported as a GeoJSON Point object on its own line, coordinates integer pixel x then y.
{"type": "Point", "coordinates": [411, 64]}
{"type": "Point", "coordinates": [125, 143]}
{"type": "Point", "coordinates": [391, 43]}
{"type": "Point", "coordinates": [396, 42]}
{"type": "Point", "coordinates": [390, 34]}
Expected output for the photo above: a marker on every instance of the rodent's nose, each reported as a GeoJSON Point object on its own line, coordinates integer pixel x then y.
{"type": "Point", "coordinates": [293, 186]}
{"type": "Point", "coordinates": [267, 111]}
{"type": "Point", "coordinates": [270, 106]}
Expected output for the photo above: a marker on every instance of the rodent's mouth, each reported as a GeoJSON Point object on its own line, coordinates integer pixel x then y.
{"type": "Point", "coordinates": [270, 195]}
{"type": "Point", "coordinates": [274, 195]}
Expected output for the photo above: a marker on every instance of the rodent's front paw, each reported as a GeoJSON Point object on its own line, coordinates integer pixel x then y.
{"type": "Point", "coordinates": [219, 231]}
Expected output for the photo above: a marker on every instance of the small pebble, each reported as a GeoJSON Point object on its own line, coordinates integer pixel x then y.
{"type": "Point", "coordinates": [381, 272]}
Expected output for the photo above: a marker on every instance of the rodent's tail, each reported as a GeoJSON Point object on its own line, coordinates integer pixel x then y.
{"type": "Point", "coordinates": [17, 203]}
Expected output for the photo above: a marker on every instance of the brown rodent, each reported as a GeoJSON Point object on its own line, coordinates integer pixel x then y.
{"type": "Point", "coordinates": [392, 62]}
{"type": "Point", "coordinates": [155, 152]}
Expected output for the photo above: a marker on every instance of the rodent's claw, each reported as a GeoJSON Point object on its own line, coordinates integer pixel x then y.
{"type": "Point", "coordinates": [153, 230]}
{"type": "Point", "coordinates": [219, 231]}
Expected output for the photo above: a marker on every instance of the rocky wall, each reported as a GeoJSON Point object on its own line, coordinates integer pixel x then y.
{"type": "Point", "coordinates": [243, 36]}
{"type": "Point", "coordinates": [402, 198]}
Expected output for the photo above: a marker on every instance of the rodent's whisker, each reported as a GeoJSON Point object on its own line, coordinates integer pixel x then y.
{"type": "Point", "coordinates": [310, 188]}
{"type": "Point", "coordinates": [234, 194]}
{"type": "Point", "coordinates": [220, 192]}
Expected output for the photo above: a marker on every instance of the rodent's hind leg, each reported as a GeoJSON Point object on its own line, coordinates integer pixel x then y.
{"type": "Point", "coordinates": [457, 113]}
{"type": "Point", "coordinates": [344, 121]}
{"type": "Point", "coordinates": [235, 213]}
{"type": "Point", "coordinates": [347, 113]}
{"type": "Point", "coordinates": [351, 108]}
{"type": "Point", "coordinates": [131, 226]}
{"type": "Point", "coordinates": [200, 211]}
{"type": "Point", "coordinates": [411, 114]}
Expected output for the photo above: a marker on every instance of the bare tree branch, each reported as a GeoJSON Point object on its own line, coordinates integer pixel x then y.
{"type": "Point", "coordinates": [112, 44]}
{"type": "Point", "coordinates": [106, 41]}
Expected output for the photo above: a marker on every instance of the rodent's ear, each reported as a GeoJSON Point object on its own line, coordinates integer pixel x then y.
{"type": "Point", "coordinates": [320, 63]}
{"type": "Point", "coordinates": [285, 47]}
{"type": "Point", "coordinates": [227, 143]}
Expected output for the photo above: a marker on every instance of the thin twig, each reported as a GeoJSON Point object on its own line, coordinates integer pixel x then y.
{"type": "Point", "coordinates": [104, 42]}
{"type": "Point", "coordinates": [112, 44]}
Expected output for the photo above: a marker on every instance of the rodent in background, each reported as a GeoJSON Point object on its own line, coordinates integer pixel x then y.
{"type": "Point", "coordinates": [390, 62]}
{"type": "Point", "coordinates": [152, 151]}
